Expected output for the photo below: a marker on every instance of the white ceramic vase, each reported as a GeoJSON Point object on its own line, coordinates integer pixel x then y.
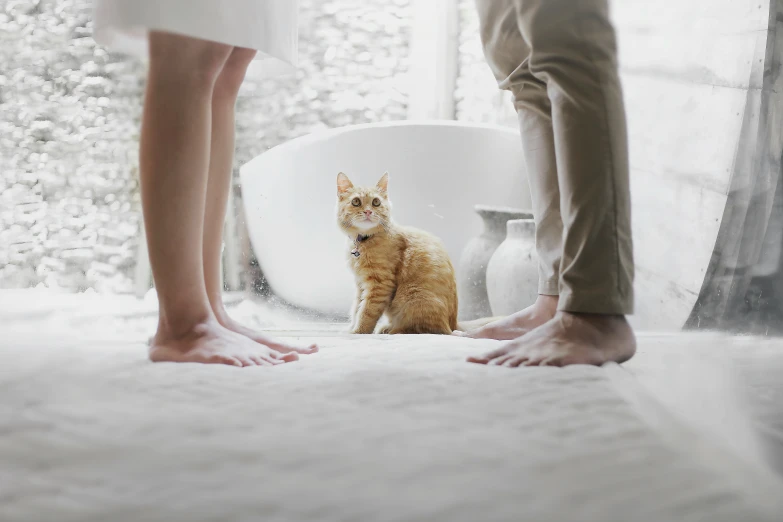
{"type": "Point", "coordinates": [472, 271]}
{"type": "Point", "coordinates": [512, 273]}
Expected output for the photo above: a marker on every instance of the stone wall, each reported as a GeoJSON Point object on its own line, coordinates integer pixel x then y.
{"type": "Point", "coordinates": [70, 114]}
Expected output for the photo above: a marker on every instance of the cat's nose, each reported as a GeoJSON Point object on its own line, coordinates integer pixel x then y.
{"type": "Point", "coordinates": [368, 213]}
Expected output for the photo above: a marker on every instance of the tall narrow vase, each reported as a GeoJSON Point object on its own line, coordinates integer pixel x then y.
{"type": "Point", "coordinates": [512, 274]}
{"type": "Point", "coordinates": [472, 268]}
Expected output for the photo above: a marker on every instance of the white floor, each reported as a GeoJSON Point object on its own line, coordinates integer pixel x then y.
{"type": "Point", "coordinates": [375, 428]}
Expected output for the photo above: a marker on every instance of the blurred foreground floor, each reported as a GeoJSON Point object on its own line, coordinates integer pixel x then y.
{"type": "Point", "coordinates": [375, 427]}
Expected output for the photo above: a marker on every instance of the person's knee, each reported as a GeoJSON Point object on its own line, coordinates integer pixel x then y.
{"type": "Point", "coordinates": [197, 62]}
{"type": "Point", "coordinates": [233, 73]}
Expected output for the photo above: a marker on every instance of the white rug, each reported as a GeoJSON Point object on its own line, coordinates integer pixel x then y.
{"type": "Point", "coordinates": [370, 429]}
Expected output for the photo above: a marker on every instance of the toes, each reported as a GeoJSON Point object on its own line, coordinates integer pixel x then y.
{"type": "Point", "coordinates": [287, 357]}
{"type": "Point", "coordinates": [534, 361]}
{"type": "Point", "coordinates": [279, 357]}
{"type": "Point", "coordinates": [515, 361]}
{"type": "Point", "coordinates": [246, 360]}
{"type": "Point", "coordinates": [263, 361]}
{"type": "Point", "coordinates": [494, 354]}
{"type": "Point", "coordinates": [478, 359]}
{"type": "Point", "coordinates": [286, 349]}
{"type": "Point", "coordinates": [224, 359]}
{"type": "Point", "coordinates": [552, 361]}
{"type": "Point", "coordinates": [501, 360]}
{"type": "Point", "coordinates": [281, 347]}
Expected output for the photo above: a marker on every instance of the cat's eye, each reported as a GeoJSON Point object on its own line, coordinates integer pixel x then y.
{"type": "Point", "coordinates": [376, 202]}
{"type": "Point", "coordinates": [356, 202]}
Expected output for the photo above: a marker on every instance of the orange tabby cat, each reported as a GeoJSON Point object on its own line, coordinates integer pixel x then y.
{"type": "Point", "coordinates": [401, 272]}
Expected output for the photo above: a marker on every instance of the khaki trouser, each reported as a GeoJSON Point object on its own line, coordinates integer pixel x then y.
{"type": "Point", "coordinates": [559, 59]}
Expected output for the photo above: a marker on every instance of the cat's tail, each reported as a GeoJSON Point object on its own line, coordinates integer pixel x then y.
{"type": "Point", "coordinates": [467, 326]}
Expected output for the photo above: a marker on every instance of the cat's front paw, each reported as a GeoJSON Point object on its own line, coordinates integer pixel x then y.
{"type": "Point", "coordinates": [361, 331]}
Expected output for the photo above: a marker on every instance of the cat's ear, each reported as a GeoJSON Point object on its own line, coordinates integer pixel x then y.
{"type": "Point", "coordinates": [383, 183]}
{"type": "Point", "coordinates": [343, 184]}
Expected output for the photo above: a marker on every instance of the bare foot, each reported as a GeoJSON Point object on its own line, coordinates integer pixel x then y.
{"type": "Point", "coordinates": [260, 338]}
{"type": "Point", "coordinates": [568, 339]}
{"type": "Point", "coordinates": [518, 324]}
{"type": "Point", "coordinates": [211, 343]}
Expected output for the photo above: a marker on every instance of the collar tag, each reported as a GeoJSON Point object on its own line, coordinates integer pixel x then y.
{"type": "Point", "coordinates": [359, 239]}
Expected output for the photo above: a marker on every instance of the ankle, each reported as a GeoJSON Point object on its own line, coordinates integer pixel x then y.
{"type": "Point", "coordinates": [221, 315]}
{"type": "Point", "coordinates": [603, 322]}
{"type": "Point", "coordinates": [546, 304]}
{"type": "Point", "coordinates": [184, 326]}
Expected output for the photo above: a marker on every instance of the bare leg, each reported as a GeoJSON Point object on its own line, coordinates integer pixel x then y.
{"type": "Point", "coordinates": [174, 160]}
{"type": "Point", "coordinates": [224, 98]}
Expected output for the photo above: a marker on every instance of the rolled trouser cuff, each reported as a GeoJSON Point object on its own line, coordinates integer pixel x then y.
{"type": "Point", "coordinates": [604, 303]}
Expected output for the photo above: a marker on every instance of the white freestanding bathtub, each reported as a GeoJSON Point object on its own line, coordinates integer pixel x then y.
{"type": "Point", "coordinates": [438, 172]}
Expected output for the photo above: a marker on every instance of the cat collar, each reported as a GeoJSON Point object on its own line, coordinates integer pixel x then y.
{"type": "Point", "coordinates": [359, 239]}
